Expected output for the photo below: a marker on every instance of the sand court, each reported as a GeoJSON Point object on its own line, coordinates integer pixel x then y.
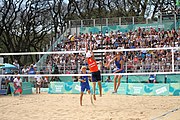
{"type": "Point", "coordinates": [109, 107]}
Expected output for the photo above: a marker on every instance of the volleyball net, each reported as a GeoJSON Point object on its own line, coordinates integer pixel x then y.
{"type": "Point", "coordinates": [139, 61]}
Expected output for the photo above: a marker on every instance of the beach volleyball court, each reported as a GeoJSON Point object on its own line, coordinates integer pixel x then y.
{"type": "Point", "coordinates": [109, 107]}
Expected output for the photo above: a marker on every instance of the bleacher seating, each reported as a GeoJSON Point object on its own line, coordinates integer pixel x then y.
{"type": "Point", "coordinates": [139, 61]}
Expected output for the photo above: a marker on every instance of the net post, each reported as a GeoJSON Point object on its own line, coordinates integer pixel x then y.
{"type": "Point", "coordinates": [94, 22]}
{"type": "Point", "coordinates": [47, 47]}
{"type": "Point", "coordinates": [50, 43]}
{"type": "Point", "coordinates": [165, 79]}
{"type": "Point", "coordinates": [126, 67]}
{"type": "Point", "coordinates": [66, 29]}
{"type": "Point", "coordinates": [160, 18]}
{"type": "Point", "coordinates": [107, 22]}
{"type": "Point", "coordinates": [63, 31]}
{"type": "Point", "coordinates": [172, 59]}
{"type": "Point", "coordinates": [81, 23]}
{"type": "Point", "coordinates": [69, 27]}
{"type": "Point", "coordinates": [133, 20]}
{"type": "Point", "coordinates": [146, 20]}
{"type": "Point", "coordinates": [119, 20]}
{"type": "Point", "coordinates": [126, 78]}
{"type": "Point", "coordinates": [175, 21]}
{"type": "Point", "coordinates": [126, 61]}
{"type": "Point", "coordinates": [64, 66]}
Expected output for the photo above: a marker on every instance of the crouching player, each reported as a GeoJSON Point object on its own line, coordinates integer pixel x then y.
{"type": "Point", "coordinates": [17, 85]}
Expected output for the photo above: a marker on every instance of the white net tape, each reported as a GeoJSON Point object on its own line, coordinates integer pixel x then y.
{"type": "Point", "coordinates": [99, 51]}
{"type": "Point", "coordinates": [103, 74]}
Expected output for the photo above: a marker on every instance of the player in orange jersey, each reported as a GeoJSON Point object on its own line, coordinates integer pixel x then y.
{"type": "Point", "coordinates": [96, 75]}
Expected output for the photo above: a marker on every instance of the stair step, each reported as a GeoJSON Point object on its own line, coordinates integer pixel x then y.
{"type": "Point", "coordinates": [98, 58]}
{"type": "Point", "coordinates": [97, 53]}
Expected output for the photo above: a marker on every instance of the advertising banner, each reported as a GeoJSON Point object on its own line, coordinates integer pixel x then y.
{"type": "Point", "coordinates": [159, 89]}
{"type": "Point", "coordinates": [174, 89]}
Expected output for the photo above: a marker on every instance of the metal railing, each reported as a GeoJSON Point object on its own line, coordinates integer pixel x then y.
{"type": "Point", "coordinates": [107, 21]}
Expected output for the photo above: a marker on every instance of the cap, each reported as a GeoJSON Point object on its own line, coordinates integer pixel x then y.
{"type": "Point", "coordinates": [119, 53]}
{"type": "Point", "coordinates": [88, 54]}
{"type": "Point", "coordinates": [18, 76]}
{"type": "Point", "coordinates": [83, 67]}
{"type": "Point", "coordinates": [70, 36]}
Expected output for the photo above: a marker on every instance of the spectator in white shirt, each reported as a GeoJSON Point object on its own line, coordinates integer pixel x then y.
{"type": "Point", "coordinates": [39, 80]}
{"type": "Point", "coordinates": [25, 71]}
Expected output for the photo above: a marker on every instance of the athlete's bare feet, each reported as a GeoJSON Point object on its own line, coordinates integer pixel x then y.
{"type": "Point", "coordinates": [94, 96]}
{"type": "Point", "coordinates": [91, 99]}
{"type": "Point", "coordinates": [114, 92]}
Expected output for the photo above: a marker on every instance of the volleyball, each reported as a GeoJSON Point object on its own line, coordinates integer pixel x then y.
{"type": "Point", "coordinates": [88, 54]}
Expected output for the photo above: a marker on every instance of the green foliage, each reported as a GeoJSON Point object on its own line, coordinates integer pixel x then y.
{"type": "Point", "coordinates": [177, 3]}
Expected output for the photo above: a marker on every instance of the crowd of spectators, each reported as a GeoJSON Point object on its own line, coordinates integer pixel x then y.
{"type": "Point", "coordinates": [135, 61]}
{"type": "Point", "coordinates": [26, 70]}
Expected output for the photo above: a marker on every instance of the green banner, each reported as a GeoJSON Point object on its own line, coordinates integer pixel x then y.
{"type": "Point", "coordinates": [135, 89]}
{"type": "Point", "coordinates": [158, 89]}
{"type": "Point", "coordinates": [109, 88]}
{"type": "Point", "coordinates": [27, 88]}
{"type": "Point", "coordinates": [75, 88]}
{"type": "Point", "coordinates": [148, 89]}
{"type": "Point", "coordinates": [173, 79]}
{"type": "Point", "coordinates": [64, 87]}
{"type": "Point", "coordinates": [174, 89]}
{"type": "Point", "coordinates": [125, 28]}
{"type": "Point", "coordinates": [148, 26]}
{"type": "Point", "coordinates": [123, 88]}
{"type": "Point", "coordinates": [161, 89]}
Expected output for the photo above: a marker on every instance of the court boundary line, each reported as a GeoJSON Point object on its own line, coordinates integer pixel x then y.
{"type": "Point", "coordinates": [166, 113]}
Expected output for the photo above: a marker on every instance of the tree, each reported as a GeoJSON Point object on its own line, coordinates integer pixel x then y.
{"type": "Point", "coordinates": [58, 11]}
{"type": "Point", "coordinates": [27, 25]}
{"type": "Point", "coordinates": [24, 27]}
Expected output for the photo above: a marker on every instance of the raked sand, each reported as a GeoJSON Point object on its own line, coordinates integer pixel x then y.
{"type": "Point", "coordinates": [108, 107]}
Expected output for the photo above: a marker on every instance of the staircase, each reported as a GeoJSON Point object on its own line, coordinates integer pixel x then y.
{"type": "Point", "coordinates": [100, 56]}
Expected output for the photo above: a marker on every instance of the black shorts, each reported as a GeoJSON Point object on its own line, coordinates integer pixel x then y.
{"type": "Point", "coordinates": [96, 76]}
{"type": "Point", "coordinates": [37, 85]}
